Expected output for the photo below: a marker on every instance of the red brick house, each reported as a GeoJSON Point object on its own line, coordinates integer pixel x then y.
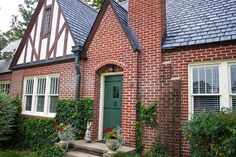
{"type": "Point", "coordinates": [178, 53]}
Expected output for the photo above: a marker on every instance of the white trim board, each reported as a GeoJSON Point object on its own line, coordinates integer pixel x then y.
{"type": "Point", "coordinates": [101, 103]}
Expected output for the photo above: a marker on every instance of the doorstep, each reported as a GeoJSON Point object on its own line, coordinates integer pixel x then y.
{"type": "Point", "coordinates": [97, 148]}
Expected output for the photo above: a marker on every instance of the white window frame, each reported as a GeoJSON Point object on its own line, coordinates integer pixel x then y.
{"type": "Point", "coordinates": [224, 83]}
{"type": "Point", "coordinates": [5, 83]}
{"type": "Point", "coordinates": [33, 111]}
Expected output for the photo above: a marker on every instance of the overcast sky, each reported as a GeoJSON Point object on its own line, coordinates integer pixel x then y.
{"type": "Point", "coordinates": [7, 9]}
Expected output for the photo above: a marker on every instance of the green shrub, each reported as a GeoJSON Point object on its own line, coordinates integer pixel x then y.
{"type": "Point", "coordinates": [35, 133]}
{"type": "Point", "coordinates": [157, 150]}
{"type": "Point", "coordinates": [52, 151]}
{"type": "Point", "coordinates": [76, 113]}
{"type": "Point", "coordinates": [212, 134]}
{"type": "Point", "coordinates": [8, 113]}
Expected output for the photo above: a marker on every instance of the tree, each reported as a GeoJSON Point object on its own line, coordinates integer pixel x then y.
{"type": "Point", "coordinates": [3, 41]}
{"type": "Point", "coordinates": [18, 27]}
{"type": "Point", "coordinates": [98, 3]}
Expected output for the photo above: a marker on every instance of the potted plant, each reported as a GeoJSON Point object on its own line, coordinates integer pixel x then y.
{"type": "Point", "coordinates": [65, 132]}
{"type": "Point", "coordinates": [113, 139]}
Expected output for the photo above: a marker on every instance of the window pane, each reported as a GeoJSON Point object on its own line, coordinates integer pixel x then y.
{"type": "Point", "coordinates": [234, 102]}
{"type": "Point", "coordinates": [28, 105]}
{"type": "Point", "coordinates": [2, 88]}
{"type": "Point", "coordinates": [41, 86]}
{"type": "Point", "coordinates": [233, 78]}
{"type": "Point", "coordinates": [53, 100]}
{"type": "Point", "coordinates": [7, 88]}
{"type": "Point", "coordinates": [47, 21]}
{"type": "Point", "coordinates": [40, 104]}
{"type": "Point", "coordinates": [29, 86]}
{"type": "Point", "coordinates": [206, 103]}
{"type": "Point", "coordinates": [54, 85]}
{"type": "Point", "coordinates": [195, 80]}
{"type": "Point", "coordinates": [205, 80]}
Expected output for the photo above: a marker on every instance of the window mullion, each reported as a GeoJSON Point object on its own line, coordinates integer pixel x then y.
{"type": "Point", "coordinates": [224, 86]}
{"type": "Point", "coordinates": [34, 106]}
{"type": "Point", "coordinates": [46, 108]}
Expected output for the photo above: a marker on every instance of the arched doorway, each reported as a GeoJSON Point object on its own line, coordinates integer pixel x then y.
{"type": "Point", "coordinates": [111, 93]}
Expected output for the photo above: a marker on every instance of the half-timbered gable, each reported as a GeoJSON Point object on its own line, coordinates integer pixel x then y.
{"type": "Point", "coordinates": [56, 26]}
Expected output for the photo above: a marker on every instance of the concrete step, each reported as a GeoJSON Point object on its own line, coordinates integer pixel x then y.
{"type": "Point", "coordinates": [79, 154]}
{"type": "Point", "coordinates": [98, 148]}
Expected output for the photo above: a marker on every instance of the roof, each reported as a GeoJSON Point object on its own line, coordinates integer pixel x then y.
{"type": "Point", "coordinates": [122, 16]}
{"type": "Point", "coordinates": [192, 22]}
{"type": "Point", "coordinates": [4, 66]}
{"type": "Point", "coordinates": [80, 18]}
{"type": "Point", "coordinates": [12, 47]}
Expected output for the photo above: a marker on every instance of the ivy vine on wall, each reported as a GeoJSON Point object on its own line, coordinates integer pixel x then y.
{"type": "Point", "coordinates": [146, 115]}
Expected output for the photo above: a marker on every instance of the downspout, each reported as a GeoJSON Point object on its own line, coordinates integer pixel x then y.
{"type": "Point", "coordinates": [78, 51]}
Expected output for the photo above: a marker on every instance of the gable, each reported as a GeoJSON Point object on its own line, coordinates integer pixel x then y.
{"type": "Point", "coordinates": [122, 17]}
{"type": "Point", "coordinates": [39, 47]}
{"type": "Point", "coordinates": [109, 36]}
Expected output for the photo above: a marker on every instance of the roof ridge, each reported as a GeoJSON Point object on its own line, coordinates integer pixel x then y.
{"type": "Point", "coordinates": [88, 6]}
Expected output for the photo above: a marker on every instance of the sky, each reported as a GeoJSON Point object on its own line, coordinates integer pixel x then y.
{"type": "Point", "coordinates": [7, 9]}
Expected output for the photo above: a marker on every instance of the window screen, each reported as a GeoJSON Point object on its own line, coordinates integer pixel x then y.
{"type": "Point", "coordinates": [205, 89]}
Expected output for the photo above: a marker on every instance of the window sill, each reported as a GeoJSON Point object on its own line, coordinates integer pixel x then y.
{"type": "Point", "coordinates": [35, 115]}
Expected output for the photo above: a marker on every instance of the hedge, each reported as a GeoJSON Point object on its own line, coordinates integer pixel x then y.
{"type": "Point", "coordinates": [212, 134]}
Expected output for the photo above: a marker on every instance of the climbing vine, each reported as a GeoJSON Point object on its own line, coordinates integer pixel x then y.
{"type": "Point", "coordinates": [145, 116]}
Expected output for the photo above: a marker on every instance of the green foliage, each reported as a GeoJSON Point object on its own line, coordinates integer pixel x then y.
{"type": "Point", "coordinates": [138, 136]}
{"type": "Point", "coordinates": [144, 115]}
{"type": "Point", "coordinates": [18, 27]}
{"type": "Point", "coordinates": [52, 151]}
{"type": "Point", "coordinates": [77, 113]}
{"type": "Point", "coordinates": [35, 133]}
{"type": "Point", "coordinates": [148, 115]}
{"type": "Point", "coordinates": [157, 150]}
{"type": "Point", "coordinates": [98, 3]}
{"type": "Point", "coordinates": [8, 113]}
{"type": "Point", "coordinates": [111, 134]}
{"type": "Point", "coordinates": [15, 153]}
{"type": "Point", "coordinates": [3, 43]}
{"type": "Point", "coordinates": [17, 102]}
{"type": "Point", "coordinates": [212, 134]}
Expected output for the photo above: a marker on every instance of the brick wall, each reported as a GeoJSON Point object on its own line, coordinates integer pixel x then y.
{"type": "Point", "coordinates": [67, 78]}
{"type": "Point", "coordinates": [5, 77]}
{"type": "Point", "coordinates": [181, 58]}
{"type": "Point", "coordinates": [111, 46]}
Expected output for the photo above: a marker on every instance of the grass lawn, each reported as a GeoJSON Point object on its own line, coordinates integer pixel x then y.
{"type": "Point", "coordinates": [15, 153]}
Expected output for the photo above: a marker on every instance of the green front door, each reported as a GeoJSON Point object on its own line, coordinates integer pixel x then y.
{"type": "Point", "coordinates": [112, 101]}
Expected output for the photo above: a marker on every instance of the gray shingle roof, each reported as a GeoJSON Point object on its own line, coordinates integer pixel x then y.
{"type": "Point", "coordinates": [4, 66]}
{"type": "Point", "coordinates": [122, 14]}
{"type": "Point", "coordinates": [79, 17]}
{"type": "Point", "coordinates": [192, 22]}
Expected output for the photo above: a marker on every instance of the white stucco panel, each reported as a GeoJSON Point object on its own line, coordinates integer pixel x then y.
{"type": "Point", "coordinates": [70, 43]}
{"type": "Point", "coordinates": [60, 45]}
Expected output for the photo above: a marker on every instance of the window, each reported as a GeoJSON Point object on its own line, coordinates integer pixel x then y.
{"type": "Point", "coordinates": [41, 94]}
{"type": "Point", "coordinates": [233, 84]}
{"type": "Point", "coordinates": [47, 21]}
{"type": "Point", "coordinates": [209, 87]}
{"type": "Point", "coordinates": [5, 86]}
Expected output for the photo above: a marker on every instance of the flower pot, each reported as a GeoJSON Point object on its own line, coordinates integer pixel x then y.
{"type": "Point", "coordinates": [113, 145]}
